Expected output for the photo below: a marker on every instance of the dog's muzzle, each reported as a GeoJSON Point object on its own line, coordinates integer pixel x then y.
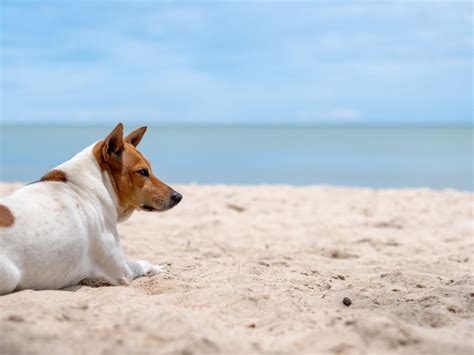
{"type": "Point", "coordinates": [174, 199]}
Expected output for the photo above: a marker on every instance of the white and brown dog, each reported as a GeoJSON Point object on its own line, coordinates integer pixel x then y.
{"type": "Point", "coordinates": [63, 229]}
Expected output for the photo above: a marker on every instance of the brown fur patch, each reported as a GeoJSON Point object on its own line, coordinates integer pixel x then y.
{"type": "Point", "coordinates": [125, 180]}
{"type": "Point", "coordinates": [6, 217]}
{"type": "Point", "coordinates": [55, 175]}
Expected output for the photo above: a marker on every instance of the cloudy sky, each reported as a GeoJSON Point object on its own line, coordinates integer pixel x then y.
{"type": "Point", "coordinates": [238, 62]}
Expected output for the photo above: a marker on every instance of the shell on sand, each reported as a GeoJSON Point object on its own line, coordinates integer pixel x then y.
{"type": "Point", "coordinates": [264, 270]}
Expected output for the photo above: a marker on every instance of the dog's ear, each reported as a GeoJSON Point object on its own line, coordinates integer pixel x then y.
{"type": "Point", "coordinates": [136, 136]}
{"type": "Point", "coordinates": [113, 144]}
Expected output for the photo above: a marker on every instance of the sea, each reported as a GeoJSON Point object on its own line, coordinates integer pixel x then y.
{"type": "Point", "coordinates": [375, 157]}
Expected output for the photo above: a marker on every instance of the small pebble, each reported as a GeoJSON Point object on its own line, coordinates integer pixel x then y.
{"type": "Point", "coordinates": [15, 318]}
{"type": "Point", "coordinates": [235, 207]}
{"type": "Point", "coordinates": [451, 309]}
{"type": "Point", "coordinates": [347, 301]}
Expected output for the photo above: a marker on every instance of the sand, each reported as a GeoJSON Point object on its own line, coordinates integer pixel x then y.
{"type": "Point", "coordinates": [264, 270]}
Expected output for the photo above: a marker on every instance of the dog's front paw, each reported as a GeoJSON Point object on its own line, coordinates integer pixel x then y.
{"type": "Point", "coordinates": [149, 269]}
{"type": "Point", "coordinates": [156, 269]}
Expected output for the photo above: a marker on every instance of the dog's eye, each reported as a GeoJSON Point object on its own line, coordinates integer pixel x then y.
{"type": "Point", "coordinates": [143, 172]}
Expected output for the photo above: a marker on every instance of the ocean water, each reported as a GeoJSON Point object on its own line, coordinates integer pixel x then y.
{"type": "Point", "coordinates": [368, 157]}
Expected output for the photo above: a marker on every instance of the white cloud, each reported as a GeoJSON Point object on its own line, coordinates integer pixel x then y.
{"type": "Point", "coordinates": [344, 114]}
{"type": "Point", "coordinates": [335, 115]}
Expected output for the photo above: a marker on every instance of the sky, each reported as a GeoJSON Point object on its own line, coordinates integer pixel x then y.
{"type": "Point", "coordinates": [237, 62]}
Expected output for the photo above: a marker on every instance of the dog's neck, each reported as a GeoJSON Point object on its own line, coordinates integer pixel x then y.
{"type": "Point", "coordinates": [88, 180]}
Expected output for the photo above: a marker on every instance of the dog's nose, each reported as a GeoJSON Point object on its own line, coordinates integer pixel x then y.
{"type": "Point", "coordinates": [176, 197]}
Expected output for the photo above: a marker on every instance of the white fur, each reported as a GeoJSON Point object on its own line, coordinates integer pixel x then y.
{"type": "Point", "coordinates": [66, 232]}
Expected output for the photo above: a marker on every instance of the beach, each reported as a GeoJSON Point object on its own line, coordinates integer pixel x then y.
{"type": "Point", "coordinates": [272, 269]}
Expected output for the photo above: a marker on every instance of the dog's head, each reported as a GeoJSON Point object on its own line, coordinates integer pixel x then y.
{"type": "Point", "coordinates": [131, 174]}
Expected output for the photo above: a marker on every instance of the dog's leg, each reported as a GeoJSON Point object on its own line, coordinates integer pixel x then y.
{"type": "Point", "coordinates": [113, 266]}
{"type": "Point", "coordinates": [9, 277]}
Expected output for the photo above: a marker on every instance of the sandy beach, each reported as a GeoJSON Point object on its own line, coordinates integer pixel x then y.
{"type": "Point", "coordinates": [265, 270]}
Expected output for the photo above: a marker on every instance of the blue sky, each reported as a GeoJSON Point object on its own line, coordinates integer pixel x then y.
{"type": "Point", "coordinates": [237, 62]}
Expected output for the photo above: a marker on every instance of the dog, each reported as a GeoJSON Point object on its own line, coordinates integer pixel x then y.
{"type": "Point", "coordinates": [62, 229]}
